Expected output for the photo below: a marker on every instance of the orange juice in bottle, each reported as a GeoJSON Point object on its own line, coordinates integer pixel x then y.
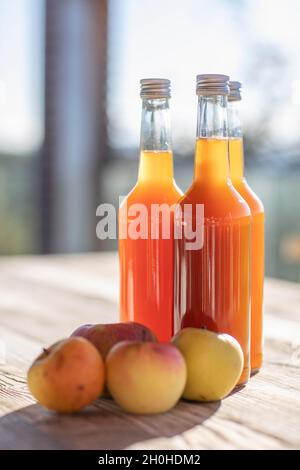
{"type": "Point", "coordinates": [257, 229]}
{"type": "Point", "coordinates": [212, 281]}
{"type": "Point", "coordinates": [146, 261]}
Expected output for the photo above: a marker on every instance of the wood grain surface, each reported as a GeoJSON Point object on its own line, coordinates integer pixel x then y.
{"type": "Point", "coordinates": [42, 299]}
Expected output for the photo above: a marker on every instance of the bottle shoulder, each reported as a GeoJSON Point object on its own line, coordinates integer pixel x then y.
{"type": "Point", "coordinates": [219, 201]}
{"type": "Point", "coordinates": [253, 201]}
{"type": "Point", "coordinates": [142, 193]}
{"type": "Point", "coordinates": [130, 196]}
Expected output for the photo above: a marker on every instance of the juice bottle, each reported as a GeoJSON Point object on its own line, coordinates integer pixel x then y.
{"type": "Point", "coordinates": [212, 281]}
{"type": "Point", "coordinates": [257, 229]}
{"type": "Point", "coordinates": [146, 261]}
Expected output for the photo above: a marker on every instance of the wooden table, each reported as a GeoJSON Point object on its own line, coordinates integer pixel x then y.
{"type": "Point", "coordinates": [43, 299]}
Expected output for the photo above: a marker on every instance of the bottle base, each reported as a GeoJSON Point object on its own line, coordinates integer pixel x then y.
{"type": "Point", "coordinates": [244, 378]}
{"type": "Point", "coordinates": [239, 387]}
{"type": "Point", "coordinates": [256, 363]}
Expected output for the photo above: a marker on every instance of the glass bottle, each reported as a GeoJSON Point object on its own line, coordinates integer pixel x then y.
{"type": "Point", "coordinates": [146, 261]}
{"type": "Point", "coordinates": [236, 158]}
{"type": "Point", "coordinates": [212, 279]}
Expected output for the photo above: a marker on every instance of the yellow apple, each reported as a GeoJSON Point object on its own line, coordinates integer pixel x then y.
{"type": "Point", "coordinates": [214, 363]}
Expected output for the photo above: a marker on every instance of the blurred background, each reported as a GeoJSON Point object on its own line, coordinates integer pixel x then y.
{"type": "Point", "coordinates": [70, 110]}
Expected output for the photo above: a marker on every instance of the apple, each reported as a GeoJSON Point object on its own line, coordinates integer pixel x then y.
{"type": "Point", "coordinates": [67, 376]}
{"type": "Point", "coordinates": [145, 377]}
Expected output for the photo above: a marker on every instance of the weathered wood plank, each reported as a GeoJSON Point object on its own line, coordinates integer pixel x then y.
{"type": "Point", "coordinates": [45, 298]}
{"type": "Point", "coordinates": [265, 414]}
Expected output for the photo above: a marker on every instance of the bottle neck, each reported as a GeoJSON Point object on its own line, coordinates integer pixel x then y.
{"type": "Point", "coordinates": [234, 120]}
{"type": "Point", "coordinates": [211, 161]}
{"type": "Point", "coordinates": [156, 157]}
{"type": "Point", "coordinates": [212, 117]}
{"type": "Point", "coordinates": [236, 153]}
{"type": "Point", "coordinates": [156, 125]}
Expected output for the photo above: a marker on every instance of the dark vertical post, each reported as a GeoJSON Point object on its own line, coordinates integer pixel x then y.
{"type": "Point", "coordinates": [75, 122]}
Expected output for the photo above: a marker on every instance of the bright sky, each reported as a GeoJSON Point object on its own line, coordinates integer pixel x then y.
{"type": "Point", "coordinates": [21, 103]}
{"type": "Point", "coordinates": [177, 39]}
{"type": "Point", "coordinates": [164, 38]}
